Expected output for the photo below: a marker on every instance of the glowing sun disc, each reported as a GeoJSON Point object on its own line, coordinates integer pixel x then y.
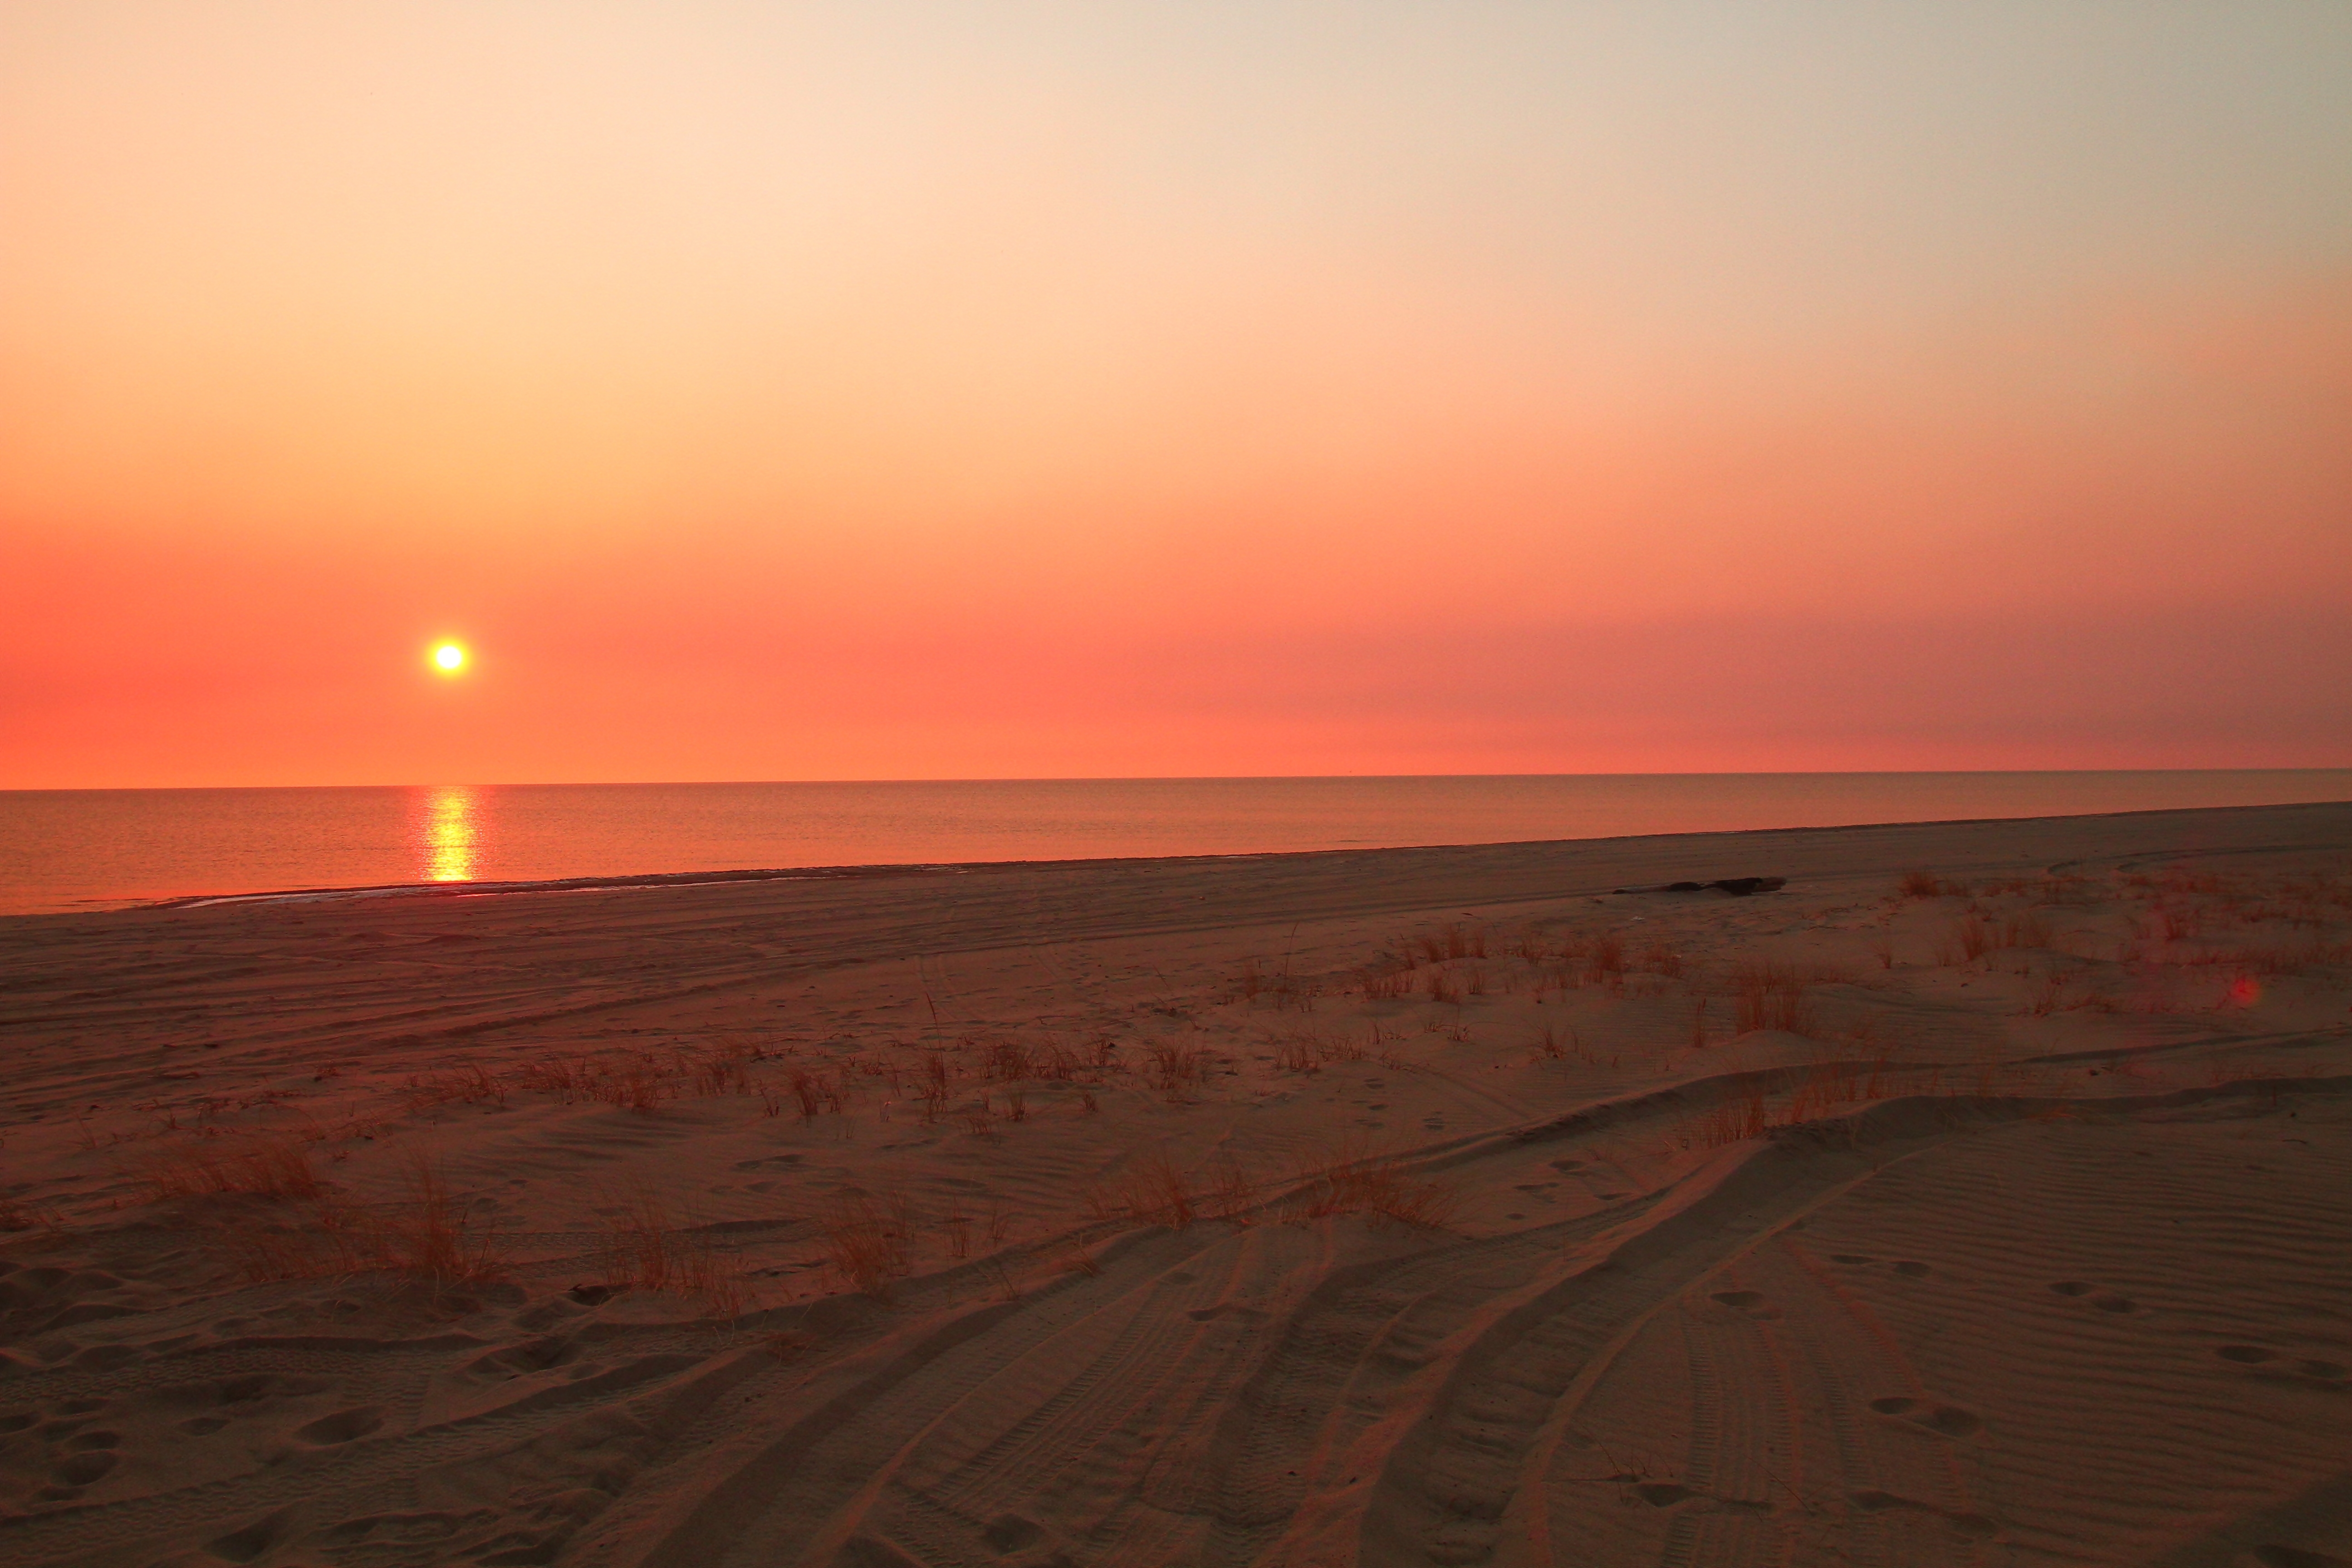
{"type": "Point", "coordinates": [449, 657]}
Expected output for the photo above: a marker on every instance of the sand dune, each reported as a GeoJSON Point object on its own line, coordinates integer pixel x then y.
{"type": "Point", "coordinates": [1417, 1207]}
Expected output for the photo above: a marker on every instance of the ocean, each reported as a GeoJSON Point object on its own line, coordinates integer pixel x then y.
{"type": "Point", "coordinates": [82, 849]}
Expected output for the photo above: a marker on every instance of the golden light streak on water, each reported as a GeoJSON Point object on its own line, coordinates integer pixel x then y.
{"type": "Point", "coordinates": [451, 830]}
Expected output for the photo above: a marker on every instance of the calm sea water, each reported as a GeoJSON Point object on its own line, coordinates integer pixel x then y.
{"type": "Point", "coordinates": [62, 849]}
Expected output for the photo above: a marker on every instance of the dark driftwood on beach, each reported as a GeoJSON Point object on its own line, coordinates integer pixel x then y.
{"type": "Point", "coordinates": [1738, 887]}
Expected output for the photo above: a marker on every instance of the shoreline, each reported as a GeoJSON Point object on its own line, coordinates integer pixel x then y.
{"type": "Point", "coordinates": [651, 880]}
{"type": "Point", "coordinates": [88, 852]}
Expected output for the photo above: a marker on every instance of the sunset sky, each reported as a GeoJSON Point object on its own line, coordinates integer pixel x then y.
{"type": "Point", "coordinates": [872, 390]}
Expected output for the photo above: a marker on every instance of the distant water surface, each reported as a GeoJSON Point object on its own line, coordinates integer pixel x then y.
{"type": "Point", "coordinates": [62, 849]}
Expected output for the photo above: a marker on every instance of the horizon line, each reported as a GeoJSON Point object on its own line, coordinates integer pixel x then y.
{"type": "Point", "coordinates": [1162, 778]}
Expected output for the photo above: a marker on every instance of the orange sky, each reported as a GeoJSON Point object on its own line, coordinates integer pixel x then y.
{"type": "Point", "coordinates": [886, 390]}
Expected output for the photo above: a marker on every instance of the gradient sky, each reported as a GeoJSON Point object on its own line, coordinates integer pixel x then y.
{"type": "Point", "coordinates": [1202, 387]}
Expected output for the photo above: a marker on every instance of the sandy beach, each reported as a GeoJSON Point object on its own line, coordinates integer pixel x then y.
{"type": "Point", "coordinates": [1979, 1197]}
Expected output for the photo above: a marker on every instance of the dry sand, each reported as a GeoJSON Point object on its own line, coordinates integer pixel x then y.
{"type": "Point", "coordinates": [1388, 1208]}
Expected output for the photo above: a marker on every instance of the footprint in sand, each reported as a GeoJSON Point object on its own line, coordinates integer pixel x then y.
{"type": "Point", "coordinates": [1010, 1532]}
{"type": "Point", "coordinates": [1223, 1309]}
{"type": "Point", "coordinates": [1740, 1298]}
{"type": "Point", "coordinates": [343, 1427]}
{"type": "Point", "coordinates": [81, 1469]}
{"type": "Point", "coordinates": [1946, 1420]}
{"type": "Point", "coordinates": [262, 1386]}
{"type": "Point", "coordinates": [1967, 1526]}
{"type": "Point", "coordinates": [532, 1355]}
{"type": "Point", "coordinates": [2278, 1555]}
{"type": "Point", "coordinates": [2323, 1373]}
{"type": "Point", "coordinates": [403, 1528]}
{"type": "Point", "coordinates": [251, 1542]}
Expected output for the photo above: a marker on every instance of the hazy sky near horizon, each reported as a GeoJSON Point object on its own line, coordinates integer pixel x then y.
{"type": "Point", "coordinates": [883, 389]}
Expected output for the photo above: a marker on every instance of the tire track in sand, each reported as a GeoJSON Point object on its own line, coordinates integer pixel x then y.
{"type": "Point", "coordinates": [1470, 1472]}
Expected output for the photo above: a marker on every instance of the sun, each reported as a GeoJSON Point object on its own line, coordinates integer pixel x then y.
{"type": "Point", "coordinates": [450, 658]}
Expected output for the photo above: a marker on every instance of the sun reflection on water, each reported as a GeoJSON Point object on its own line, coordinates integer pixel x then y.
{"type": "Point", "coordinates": [451, 826]}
